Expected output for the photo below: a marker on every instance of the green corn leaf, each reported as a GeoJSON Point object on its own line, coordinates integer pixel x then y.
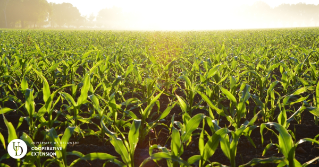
{"type": "Point", "coordinates": [66, 136]}
{"type": "Point", "coordinates": [164, 155]}
{"type": "Point", "coordinates": [2, 141]}
{"type": "Point", "coordinates": [222, 50]}
{"type": "Point", "coordinates": [24, 84]}
{"type": "Point", "coordinates": [29, 104]}
{"type": "Point", "coordinates": [191, 126]}
{"type": "Point", "coordinates": [216, 164]}
{"type": "Point", "coordinates": [210, 104]}
{"type": "Point", "coordinates": [96, 65]}
{"type": "Point", "coordinates": [284, 79]}
{"type": "Point", "coordinates": [232, 82]}
{"type": "Point", "coordinates": [26, 138]}
{"type": "Point", "coordinates": [11, 131]}
{"type": "Point", "coordinates": [212, 71]}
{"type": "Point", "coordinates": [272, 67]}
{"type": "Point", "coordinates": [291, 118]}
{"type": "Point", "coordinates": [117, 144]}
{"type": "Point", "coordinates": [41, 111]}
{"type": "Point", "coordinates": [267, 148]}
{"type": "Point", "coordinates": [166, 111]}
{"type": "Point", "coordinates": [229, 95]}
{"type": "Point", "coordinates": [245, 96]}
{"type": "Point", "coordinates": [108, 132]}
{"type": "Point", "coordinates": [317, 95]}
{"type": "Point", "coordinates": [201, 143]}
{"type": "Point", "coordinates": [95, 101]}
{"type": "Point", "coordinates": [130, 113]}
{"type": "Point", "coordinates": [53, 67]}
{"type": "Point", "coordinates": [225, 145]}
{"type": "Point", "coordinates": [315, 111]}
{"type": "Point", "coordinates": [94, 156]}
{"type": "Point", "coordinates": [76, 153]}
{"type": "Point", "coordinates": [304, 82]}
{"type": "Point", "coordinates": [182, 104]}
{"type": "Point", "coordinates": [129, 70]}
{"type": "Point", "coordinates": [147, 110]}
{"type": "Point", "coordinates": [212, 143]}
{"type": "Point", "coordinates": [210, 124]}
{"type": "Point", "coordinates": [84, 90]}
{"type": "Point", "coordinates": [299, 91]}
{"type": "Point", "coordinates": [253, 120]}
{"type": "Point", "coordinates": [284, 138]}
{"type": "Point", "coordinates": [272, 86]}
{"type": "Point", "coordinates": [286, 99]}
{"type": "Point", "coordinates": [202, 79]}
{"type": "Point", "coordinates": [121, 149]}
{"type": "Point", "coordinates": [133, 134]}
{"type": "Point", "coordinates": [55, 92]}
{"type": "Point", "coordinates": [262, 127]}
{"type": "Point", "coordinates": [85, 55]}
{"type": "Point", "coordinates": [5, 110]}
{"type": "Point", "coordinates": [169, 65]}
{"type": "Point", "coordinates": [46, 90]}
{"type": "Point", "coordinates": [54, 138]}
{"type": "Point", "coordinates": [46, 87]}
{"type": "Point", "coordinates": [38, 49]}
{"type": "Point", "coordinates": [222, 80]}
{"type": "Point", "coordinates": [152, 147]}
{"type": "Point", "coordinates": [256, 161]}
{"type": "Point", "coordinates": [152, 58]}
{"type": "Point", "coordinates": [188, 82]}
{"type": "Point", "coordinates": [282, 118]}
{"type": "Point", "coordinates": [296, 163]}
{"type": "Point", "coordinates": [307, 140]}
{"type": "Point", "coordinates": [69, 98]}
{"type": "Point", "coordinates": [176, 144]}
{"type": "Point", "coordinates": [193, 159]}
{"type": "Point", "coordinates": [301, 99]}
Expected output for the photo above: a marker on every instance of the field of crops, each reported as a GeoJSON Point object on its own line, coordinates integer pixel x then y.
{"type": "Point", "coordinates": [210, 98]}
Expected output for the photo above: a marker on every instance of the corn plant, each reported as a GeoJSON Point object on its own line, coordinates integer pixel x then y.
{"type": "Point", "coordinates": [208, 149]}
{"type": "Point", "coordinates": [125, 148]}
{"type": "Point", "coordinates": [48, 98]}
{"type": "Point", "coordinates": [30, 106]}
{"type": "Point", "coordinates": [56, 141]}
{"type": "Point", "coordinates": [179, 138]}
{"type": "Point", "coordinates": [75, 106]}
{"type": "Point", "coordinates": [12, 134]}
{"type": "Point", "coordinates": [29, 159]}
{"type": "Point", "coordinates": [286, 146]}
{"type": "Point", "coordinates": [316, 111]}
{"type": "Point", "coordinates": [229, 146]}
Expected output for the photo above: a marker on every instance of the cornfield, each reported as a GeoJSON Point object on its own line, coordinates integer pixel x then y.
{"type": "Point", "coordinates": [200, 98]}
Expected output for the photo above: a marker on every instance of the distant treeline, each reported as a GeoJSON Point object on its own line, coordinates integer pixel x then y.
{"type": "Point", "coordinates": [285, 15]}
{"type": "Point", "coordinates": [41, 14]}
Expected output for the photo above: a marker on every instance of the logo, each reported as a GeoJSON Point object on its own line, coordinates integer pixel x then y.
{"type": "Point", "coordinates": [17, 148]}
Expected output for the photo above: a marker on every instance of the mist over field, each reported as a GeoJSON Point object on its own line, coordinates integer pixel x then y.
{"type": "Point", "coordinates": [175, 15]}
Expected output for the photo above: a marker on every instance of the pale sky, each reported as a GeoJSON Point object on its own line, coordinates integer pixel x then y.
{"type": "Point", "coordinates": [180, 14]}
{"type": "Point", "coordinates": [94, 6]}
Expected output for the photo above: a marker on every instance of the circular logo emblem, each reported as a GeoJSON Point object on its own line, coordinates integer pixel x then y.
{"type": "Point", "coordinates": [17, 148]}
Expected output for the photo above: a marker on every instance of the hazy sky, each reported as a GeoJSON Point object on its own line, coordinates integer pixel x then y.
{"type": "Point", "coordinates": [94, 6]}
{"type": "Point", "coordinates": [180, 14]}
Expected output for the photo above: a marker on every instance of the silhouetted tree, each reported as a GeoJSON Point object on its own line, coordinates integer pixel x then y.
{"type": "Point", "coordinates": [110, 17]}
{"type": "Point", "coordinates": [23, 12]}
{"type": "Point", "coordinates": [65, 14]}
{"type": "Point", "coordinates": [261, 14]}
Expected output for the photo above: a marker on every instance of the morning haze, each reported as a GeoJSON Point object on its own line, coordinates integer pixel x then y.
{"type": "Point", "coordinates": [156, 15]}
